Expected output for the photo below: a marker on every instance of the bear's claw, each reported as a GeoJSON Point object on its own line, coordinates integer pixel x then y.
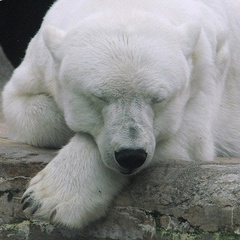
{"type": "Point", "coordinates": [28, 202]}
{"type": "Point", "coordinates": [53, 215]}
{"type": "Point", "coordinates": [25, 196]}
{"type": "Point", "coordinates": [35, 208]}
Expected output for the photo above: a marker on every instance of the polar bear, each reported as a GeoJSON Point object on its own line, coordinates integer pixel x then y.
{"type": "Point", "coordinates": [121, 85]}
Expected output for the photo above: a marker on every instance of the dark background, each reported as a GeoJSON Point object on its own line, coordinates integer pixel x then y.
{"type": "Point", "coordinates": [19, 22]}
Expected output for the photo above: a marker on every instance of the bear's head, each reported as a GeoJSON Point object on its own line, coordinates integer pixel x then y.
{"type": "Point", "coordinates": [125, 82]}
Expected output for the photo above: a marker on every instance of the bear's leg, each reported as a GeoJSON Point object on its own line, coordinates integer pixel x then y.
{"type": "Point", "coordinates": [34, 118]}
{"type": "Point", "coordinates": [75, 187]}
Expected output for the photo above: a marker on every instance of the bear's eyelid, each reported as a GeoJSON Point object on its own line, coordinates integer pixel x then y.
{"type": "Point", "coordinates": [100, 97]}
{"type": "Point", "coordinates": [157, 99]}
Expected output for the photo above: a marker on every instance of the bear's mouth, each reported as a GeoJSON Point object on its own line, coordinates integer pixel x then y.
{"type": "Point", "coordinates": [128, 172]}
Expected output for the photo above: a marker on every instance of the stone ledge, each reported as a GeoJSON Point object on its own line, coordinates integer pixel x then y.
{"type": "Point", "coordinates": [174, 200]}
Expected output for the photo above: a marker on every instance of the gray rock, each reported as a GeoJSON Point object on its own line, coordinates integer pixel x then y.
{"type": "Point", "coordinates": [6, 70]}
{"type": "Point", "coordinates": [174, 200]}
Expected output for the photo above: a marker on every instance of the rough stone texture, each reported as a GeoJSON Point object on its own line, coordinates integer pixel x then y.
{"type": "Point", "coordinates": [175, 200]}
{"type": "Point", "coordinates": [5, 69]}
{"type": "Point", "coordinates": [5, 73]}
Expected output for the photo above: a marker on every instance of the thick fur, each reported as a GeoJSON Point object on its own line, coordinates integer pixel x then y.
{"type": "Point", "coordinates": [157, 75]}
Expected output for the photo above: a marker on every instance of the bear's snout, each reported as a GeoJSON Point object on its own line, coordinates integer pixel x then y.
{"type": "Point", "coordinates": [130, 159]}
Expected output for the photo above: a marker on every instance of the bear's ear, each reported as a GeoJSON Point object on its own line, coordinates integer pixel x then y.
{"type": "Point", "coordinates": [53, 38]}
{"type": "Point", "coordinates": [190, 35]}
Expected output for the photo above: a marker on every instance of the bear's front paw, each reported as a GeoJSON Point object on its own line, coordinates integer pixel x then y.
{"type": "Point", "coordinates": [63, 200]}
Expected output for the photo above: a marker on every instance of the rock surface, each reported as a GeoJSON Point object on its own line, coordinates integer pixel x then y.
{"type": "Point", "coordinates": [175, 200]}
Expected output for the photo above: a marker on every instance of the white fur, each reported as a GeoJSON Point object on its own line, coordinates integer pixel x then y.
{"type": "Point", "coordinates": [97, 69]}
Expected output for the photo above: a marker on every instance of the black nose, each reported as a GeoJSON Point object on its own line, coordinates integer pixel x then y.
{"type": "Point", "coordinates": [131, 159]}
